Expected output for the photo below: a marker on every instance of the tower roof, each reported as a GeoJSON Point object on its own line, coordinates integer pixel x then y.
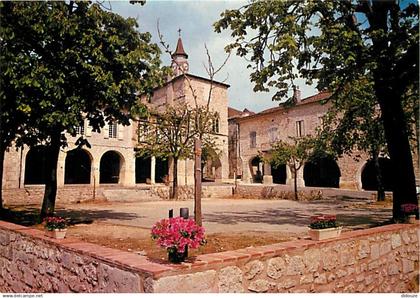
{"type": "Point", "coordinates": [179, 49]}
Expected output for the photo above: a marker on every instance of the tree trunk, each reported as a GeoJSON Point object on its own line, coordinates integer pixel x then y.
{"type": "Point", "coordinates": [2, 152]}
{"type": "Point", "coordinates": [48, 203]}
{"type": "Point", "coordinates": [295, 190]}
{"type": "Point", "coordinates": [380, 185]}
{"type": "Point", "coordinates": [197, 182]}
{"type": "Point", "coordinates": [395, 126]}
{"type": "Point", "coordinates": [174, 190]}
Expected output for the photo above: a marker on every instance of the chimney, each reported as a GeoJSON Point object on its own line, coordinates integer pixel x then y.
{"type": "Point", "coordinates": [296, 94]}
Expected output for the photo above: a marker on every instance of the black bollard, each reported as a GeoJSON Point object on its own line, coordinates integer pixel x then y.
{"type": "Point", "coordinates": [171, 213]}
{"type": "Point", "coordinates": [184, 213]}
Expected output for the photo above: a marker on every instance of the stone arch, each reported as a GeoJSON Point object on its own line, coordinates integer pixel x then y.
{"type": "Point", "coordinates": [322, 172]}
{"type": "Point", "coordinates": [211, 166]}
{"type": "Point", "coordinates": [35, 166]}
{"type": "Point", "coordinates": [368, 175]}
{"type": "Point", "coordinates": [78, 166]}
{"type": "Point", "coordinates": [279, 174]}
{"type": "Point", "coordinates": [143, 165]}
{"type": "Point", "coordinates": [111, 167]}
{"type": "Point", "coordinates": [161, 170]}
{"type": "Point", "coordinates": [256, 169]}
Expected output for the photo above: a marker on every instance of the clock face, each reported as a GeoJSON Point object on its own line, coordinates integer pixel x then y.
{"type": "Point", "coordinates": [185, 66]}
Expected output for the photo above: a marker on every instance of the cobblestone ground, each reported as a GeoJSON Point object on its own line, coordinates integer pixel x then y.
{"type": "Point", "coordinates": [224, 215]}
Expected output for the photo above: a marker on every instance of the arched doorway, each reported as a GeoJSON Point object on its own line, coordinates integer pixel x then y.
{"type": "Point", "coordinates": [279, 174]}
{"type": "Point", "coordinates": [143, 165]}
{"type": "Point", "coordinates": [35, 166]}
{"type": "Point", "coordinates": [323, 172]}
{"type": "Point", "coordinates": [110, 167]}
{"type": "Point", "coordinates": [77, 167]}
{"type": "Point", "coordinates": [256, 167]}
{"type": "Point", "coordinates": [211, 167]}
{"type": "Point", "coordinates": [369, 181]}
{"type": "Point", "coordinates": [161, 170]}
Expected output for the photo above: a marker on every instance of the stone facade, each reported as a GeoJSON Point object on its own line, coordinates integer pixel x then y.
{"type": "Point", "coordinates": [179, 89]}
{"type": "Point", "coordinates": [111, 160]}
{"type": "Point", "coordinates": [380, 260]}
{"type": "Point", "coordinates": [256, 133]}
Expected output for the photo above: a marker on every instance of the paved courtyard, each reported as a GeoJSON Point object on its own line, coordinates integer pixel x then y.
{"type": "Point", "coordinates": [224, 215]}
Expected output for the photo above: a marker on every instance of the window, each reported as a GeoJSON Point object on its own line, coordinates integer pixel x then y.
{"type": "Point", "coordinates": [113, 130]}
{"type": "Point", "coordinates": [272, 134]}
{"type": "Point", "coordinates": [253, 139]}
{"type": "Point", "coordinates": [300, 129]}
{"type": "Point", "coordinates": [215, 126]}
{"type": "Point", "coordinates": [80, 130]}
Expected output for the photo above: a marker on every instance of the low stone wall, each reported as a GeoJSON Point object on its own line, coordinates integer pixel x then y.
{"type": "Point", "coordinates": [285, 192]}
{"type": "Point", "coordinates": [383, 259]}
{"type": "Point", "coordinates": [81, 193]}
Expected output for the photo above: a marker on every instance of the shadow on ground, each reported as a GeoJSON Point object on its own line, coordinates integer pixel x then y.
{"type": "Point", "coordinates": [354, 216]}
{"type": "Point", "coordinates": [29, 216]}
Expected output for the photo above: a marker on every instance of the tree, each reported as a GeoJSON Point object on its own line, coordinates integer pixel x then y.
{"type": "Point", "coordinates": [83, 62]}
{"type": "Point", "coordinates": [354, 124]}
{"type": "Point", "coordinates": [171, 133]}
{"type": "Point", "coordinates": [337, 42]}
{"type": "Point", "coordinates": [204, 120]}
{"type": "Point", "coordinates": [295, 154]}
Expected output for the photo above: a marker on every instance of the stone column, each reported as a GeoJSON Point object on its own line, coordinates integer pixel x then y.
{"type": "Point", "coordinates": [153, 170]}
{"type": "Point", "coordinates": [290, 179]}
{"type": "Point", "coordinates": [300, 180]}
{"type": "Point", "coordinates": [246, 174]}
{"type": "Point", "coordinates": [267, 178]}
{"type": "Point", "coordinates": [95, 172]}
{"type": "Point", "coordinates": [61, 168]}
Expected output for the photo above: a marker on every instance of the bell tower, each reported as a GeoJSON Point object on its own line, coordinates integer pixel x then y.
{"type": "Point", "coordinates": [179, 58]}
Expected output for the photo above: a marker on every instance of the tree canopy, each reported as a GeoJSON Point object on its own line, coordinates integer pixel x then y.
{"type": "Point", "coordinates": [338, 44]}
{"type": "Point", "coordinates": [170, 134]}
{"type": "Point", "coordinates": [74, 61]}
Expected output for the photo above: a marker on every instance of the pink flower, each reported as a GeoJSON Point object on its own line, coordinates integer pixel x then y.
{"type": "Point", "coordinates": [178, 233]}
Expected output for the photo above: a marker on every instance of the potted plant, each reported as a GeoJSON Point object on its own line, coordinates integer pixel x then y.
{"type": "Point", "coordinates": [56, 227]}
{"type": "Point", "coordinates": [410, 212]}
{"type": "Point", "coordinates": [176, 235]}
{"type": "Point", "coordinates": [324, 227]}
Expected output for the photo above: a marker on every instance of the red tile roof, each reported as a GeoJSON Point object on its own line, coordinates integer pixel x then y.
{"type": "Point", "coordinates": [234, 113]}
{"type": "Point", "coordinates": [180, 49]}
{"type": "Point", "coordinates": [311, 99]}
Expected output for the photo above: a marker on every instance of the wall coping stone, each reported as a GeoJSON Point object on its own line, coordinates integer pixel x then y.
{"type": "Point", "coordinates": [156, 269]}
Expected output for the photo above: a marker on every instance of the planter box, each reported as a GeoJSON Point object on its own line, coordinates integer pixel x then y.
{"type": "Point", "coordinates": [411, 219]}
{"type": "Point", "coordinates": [321, 234]}
{"type": "Point", "coordinates": [57, 234]}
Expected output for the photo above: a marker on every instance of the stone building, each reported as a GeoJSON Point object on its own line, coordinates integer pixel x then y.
{"type": "Point", "coordinates": [111, 159]}
{"type": "Point", "coordinates": [252, 136]}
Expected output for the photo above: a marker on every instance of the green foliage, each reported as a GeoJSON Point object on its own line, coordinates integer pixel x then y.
{"type": "Point", "coordinates": [171, 133]}
{"type": "Point", "coordinates": [346, 47]}
{"type": "Point", "coordinates": [323, 222]}
{"type": "Point", "coordinates": [294, 153]}
{"type": "Point", "coordinates": [353, 122]}
{"type": "Point", "coordinates": [330, 41]}
{"type": "Point", "coordinates": [63, 62]}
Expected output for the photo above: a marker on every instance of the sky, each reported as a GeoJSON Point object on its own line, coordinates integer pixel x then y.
{"type": "Point", "coordinates": [195, 19]}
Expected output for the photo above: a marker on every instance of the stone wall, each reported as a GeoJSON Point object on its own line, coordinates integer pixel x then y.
{"type": "Point", "coordinates": [382, 259]}
{"type": "Point", "coordinates": [83, 193]}
{"type": "Point", "coordinates": [285, 192]}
